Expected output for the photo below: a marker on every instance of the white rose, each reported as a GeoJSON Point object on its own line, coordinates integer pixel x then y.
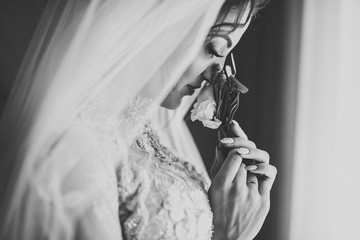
{"type": "Point", "coordinates": [204, 109]}
{"type": "Point", "coordinates": [213, 124]}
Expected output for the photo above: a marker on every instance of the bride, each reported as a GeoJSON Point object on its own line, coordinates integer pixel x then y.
{"type": "Point", "coordinates": [80, 158]}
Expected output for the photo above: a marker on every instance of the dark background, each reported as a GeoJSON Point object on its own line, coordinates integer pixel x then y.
{"type": "Point", "coordinates": [266, 58]}
{"type": "Point", "coordinates": [18, 20]}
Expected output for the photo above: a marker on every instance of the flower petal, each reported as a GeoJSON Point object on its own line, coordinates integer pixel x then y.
{"type": "Point", "coordinates": [211, 124]}
{"type": "Point", "coordinates": [206, 93]}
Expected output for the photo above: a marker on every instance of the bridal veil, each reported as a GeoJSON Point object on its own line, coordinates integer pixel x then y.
{"type": "Point", "coordinates": [81, 47]}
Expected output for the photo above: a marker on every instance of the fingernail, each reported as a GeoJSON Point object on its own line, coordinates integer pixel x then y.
{"type": "Point", "coordinates": [235, 122]}
{"type": "Point", "coordinates": [227, 140]}
{"type": "Point", "coordinates": [251, 167]}
{"type": "Point", "coordinates": [243, 151]}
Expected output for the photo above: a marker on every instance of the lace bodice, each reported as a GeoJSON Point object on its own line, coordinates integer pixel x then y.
{"type": "Point", "coordinates": [161, 196]}
{"type": "Point", "coordinates": [172, 203]}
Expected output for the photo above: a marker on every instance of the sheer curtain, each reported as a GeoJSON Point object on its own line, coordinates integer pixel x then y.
{"type": "Point", "coordinates": [325, 190]}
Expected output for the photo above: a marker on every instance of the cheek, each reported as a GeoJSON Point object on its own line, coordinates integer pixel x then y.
{"type": "Point", "coordinates": [190, 77]}
{"type": "Point", "coordinates": [194, 70]}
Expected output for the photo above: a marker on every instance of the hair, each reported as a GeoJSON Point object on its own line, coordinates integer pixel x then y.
{"type": "Point", "coordinates": [241, 7]}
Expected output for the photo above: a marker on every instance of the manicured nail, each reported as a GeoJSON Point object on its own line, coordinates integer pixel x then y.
{"type": "Point", "coordinates": [243, 151]}
{"type": "Point", "coordinates": [227, 140]}
{"type": "Point", "coordinates": [235, 122]}
{"type": "Point", "coordinates": [251, 167]}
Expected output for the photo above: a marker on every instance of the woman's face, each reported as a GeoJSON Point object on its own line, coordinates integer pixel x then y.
{"type": "Point", "coordinates": [208, 62]}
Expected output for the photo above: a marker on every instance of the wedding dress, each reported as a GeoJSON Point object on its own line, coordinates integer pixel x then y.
{"type": "Point", "coordinates": [79, 158]}
{"type": "Point", "coordinates": [157, 194]}
{"type": "Point", "coordinates": [161, 196]}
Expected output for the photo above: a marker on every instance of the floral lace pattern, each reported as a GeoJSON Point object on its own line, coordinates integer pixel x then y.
{"type": "Point", "coordinates": [175, 201]}
{"type": "Point", "coordinates": [160, 195]}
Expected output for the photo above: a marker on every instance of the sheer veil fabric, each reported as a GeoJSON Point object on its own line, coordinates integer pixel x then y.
{"type": "Point", "coordinates": [81, 49]}
{"type": "Point", "coordinates": [174, 132]}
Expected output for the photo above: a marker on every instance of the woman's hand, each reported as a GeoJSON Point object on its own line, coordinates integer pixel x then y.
{"type": "Point", "coordinates": [240, 194]}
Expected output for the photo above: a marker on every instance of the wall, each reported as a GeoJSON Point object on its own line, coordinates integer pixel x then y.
{"type": "Point", "coordinates": [18, 19]}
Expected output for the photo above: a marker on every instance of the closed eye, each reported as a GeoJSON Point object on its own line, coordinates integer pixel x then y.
{"type": "Point", "coordinates": [210, 50]}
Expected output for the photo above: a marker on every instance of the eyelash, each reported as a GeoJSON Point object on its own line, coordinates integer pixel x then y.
{"type": "Point", "coordinates": [210, 50]}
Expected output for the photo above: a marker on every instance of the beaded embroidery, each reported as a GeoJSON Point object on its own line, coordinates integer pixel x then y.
{"type": "Point", "coordinates": [176, 206]}
{"type": "Point", "coordinates": [149, 142]}
{"type": "Point", "coordinates": [160, 195]}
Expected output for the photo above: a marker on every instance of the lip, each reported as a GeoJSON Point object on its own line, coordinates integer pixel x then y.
{"type": "Point", "coordinates": [191, 89]}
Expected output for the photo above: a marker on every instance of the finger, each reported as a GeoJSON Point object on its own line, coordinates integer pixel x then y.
{"type": "Point", "coordinates": [236, 130]}
{"type": "Point", "coordinates": [267, 178]}
{"type": "Point", "coordinates": [230, 166]}
{"type": "Point", "coordinates": [219, 160]}
{"type": "Point", "coordinates": [256, 154]}
{"type": "Point", "coordinates": [263, 169]}
{"type": "Point", "coordinates": [252, 182]}
{"type": "Point", "coordinates": [237, 142]}
{"type": "Point", "coordinates": [222, 133]}
{"type": "Point", "coordinates": [240, 178]}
